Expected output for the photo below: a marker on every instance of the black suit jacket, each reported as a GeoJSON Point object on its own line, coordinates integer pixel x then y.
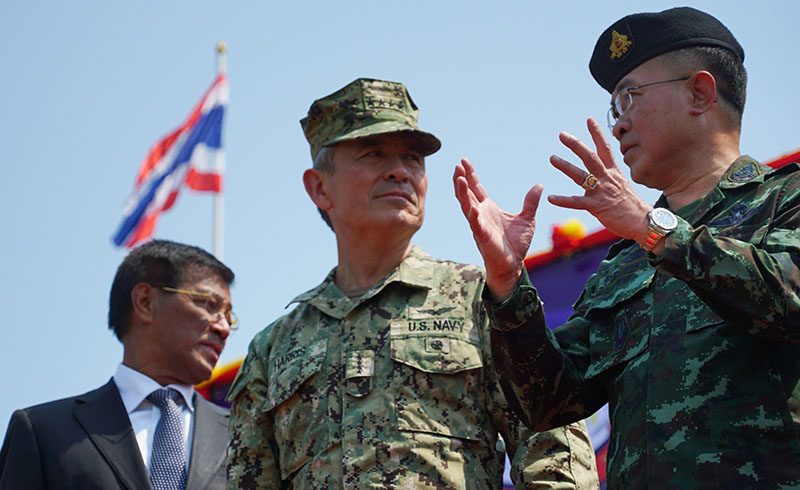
{"type": "Point", "coordinates": [87, 442]}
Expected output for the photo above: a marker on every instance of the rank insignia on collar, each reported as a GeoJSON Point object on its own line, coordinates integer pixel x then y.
{"type": "Point", "coordinates": [619, 44]}
{"type": "Point", "coordinates": [745, 173]}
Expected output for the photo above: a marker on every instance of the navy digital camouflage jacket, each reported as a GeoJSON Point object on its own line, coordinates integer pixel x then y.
{"type": "Point", "coordinates": [392, 390]}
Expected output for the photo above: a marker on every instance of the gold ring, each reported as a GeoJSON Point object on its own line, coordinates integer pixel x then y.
{"type": "Point", "coordinates": [590, 182]}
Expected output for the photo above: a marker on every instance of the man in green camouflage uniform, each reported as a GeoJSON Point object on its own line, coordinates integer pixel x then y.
{"type": "Point", "coordinates": [690, 329]}
{"type": "Point", "coordinates": [382, 376]}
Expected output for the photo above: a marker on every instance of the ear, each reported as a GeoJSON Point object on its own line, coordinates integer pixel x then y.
{"type": "Point", "coordinates": [143, 303]}
{"type": "Point", "coordinates": [704, 92]}
{"type": "Point", "coordinates": [314, 181]}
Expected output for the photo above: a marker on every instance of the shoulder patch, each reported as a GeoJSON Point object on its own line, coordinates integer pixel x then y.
{"type": "Point", "coordinates": [746, 173]}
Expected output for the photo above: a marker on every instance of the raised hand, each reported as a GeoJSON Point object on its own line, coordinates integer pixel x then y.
{"type": "Point", "coordinates": [611, 200]}
{"type": "Point", "coordinates": [503, 238]}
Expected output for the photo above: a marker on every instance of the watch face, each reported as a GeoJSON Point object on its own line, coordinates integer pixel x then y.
{"type": "Point", "coordinates": [663, 218]}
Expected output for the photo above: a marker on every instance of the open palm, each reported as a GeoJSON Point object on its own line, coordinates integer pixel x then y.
{"type": "Point", "coordinates": [503, 238]}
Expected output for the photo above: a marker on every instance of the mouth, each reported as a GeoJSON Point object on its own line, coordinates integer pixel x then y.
{"type": "Point", "coordinates": [213, 348]}
{"type": "Point", "coordinates": [624, 148]}
{"type": "Point", "coordinates": [397, 195]}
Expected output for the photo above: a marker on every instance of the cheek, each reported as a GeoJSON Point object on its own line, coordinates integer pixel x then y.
{"type": "Point", "coordinates": [190, 333]}
{"type": "Point", "coordinates": [422, 188]}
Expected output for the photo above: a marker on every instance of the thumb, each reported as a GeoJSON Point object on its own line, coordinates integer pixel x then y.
{"type": "Point", "coordinates": [531, 202]}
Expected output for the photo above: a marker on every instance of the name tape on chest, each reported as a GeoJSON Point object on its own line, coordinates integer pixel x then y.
{"type": "Point", "coordinates": [458, 327]}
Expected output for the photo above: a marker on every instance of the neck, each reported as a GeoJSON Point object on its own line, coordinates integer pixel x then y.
{"type": "Point", "coordinates": [704, 171]}
{"type": "Point", "coordinates": [362, 262]}
{"type": "Point", "coordinates": [134, 359]}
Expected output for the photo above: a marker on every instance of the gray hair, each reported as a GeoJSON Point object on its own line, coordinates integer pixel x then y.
{"type": "Point", "coordinates": [324, 163]}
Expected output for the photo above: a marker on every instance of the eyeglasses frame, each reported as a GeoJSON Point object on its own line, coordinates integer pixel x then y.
{"type": "Point", "coordinates": [613, 115]}
{"type": "Point", "coordinates": [233, 323]}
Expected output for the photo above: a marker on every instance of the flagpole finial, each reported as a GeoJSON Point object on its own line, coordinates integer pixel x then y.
{"type": "Point", "coordinates": [222, 55]}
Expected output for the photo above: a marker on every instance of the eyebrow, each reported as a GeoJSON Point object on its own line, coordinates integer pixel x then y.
{"type": "Point", "coordinates": [622, 85]}
{"type": "Point", "coordinates": [209, 293]}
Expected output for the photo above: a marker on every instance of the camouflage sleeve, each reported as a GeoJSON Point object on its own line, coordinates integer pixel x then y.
{"type": "Point", "coordinates": [542, 381]}
{"type": "Point", "coordinates": [755, 284]}
{"type": "Point", "coordinates": [560, 458]}
{"type": "Point", "coordinates": [252, 457]}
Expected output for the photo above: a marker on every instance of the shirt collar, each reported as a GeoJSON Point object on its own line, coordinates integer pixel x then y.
{"type": "Point", "coordinates": [744, 170]}
{"type": "Point", "coordinates": [413, 271]}
{"type": "Point", "coordinates": [134, 387]}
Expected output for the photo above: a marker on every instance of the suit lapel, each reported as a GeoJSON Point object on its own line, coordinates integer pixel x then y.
{"type": "Point", "coordinates": [103, 416]}
{"type": "Point", "coordinates": [209, 443]}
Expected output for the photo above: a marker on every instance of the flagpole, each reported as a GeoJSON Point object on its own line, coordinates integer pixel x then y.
{"type": "Point", "coordinates": [222, 67]}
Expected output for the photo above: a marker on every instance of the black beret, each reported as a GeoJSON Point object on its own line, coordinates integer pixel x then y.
{"type": "Point", "coordinates": [636, 38]}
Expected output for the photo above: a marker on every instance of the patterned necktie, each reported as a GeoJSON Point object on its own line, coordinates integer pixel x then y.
{"type": "Point", "coordinates": [168, 458]}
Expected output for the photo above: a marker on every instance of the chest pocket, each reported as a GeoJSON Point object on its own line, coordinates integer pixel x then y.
{"type": "Point", "coordinates": [698, 315]}
{"type": "Point", "coordinates": [437, 379]}
{"type": "Point", "coordinates": [290, 369]}
{"type": "Point", "coordinates": [619, 312]}
{"type": "Point", "coordinates": [296, 399]}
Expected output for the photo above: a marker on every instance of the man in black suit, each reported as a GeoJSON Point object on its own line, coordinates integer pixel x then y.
{"type": "Point", "coordinates": [146, 428]}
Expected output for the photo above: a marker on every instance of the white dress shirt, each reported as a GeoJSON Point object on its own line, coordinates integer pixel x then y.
{"type": "Point", "coordinates": [134, 387]}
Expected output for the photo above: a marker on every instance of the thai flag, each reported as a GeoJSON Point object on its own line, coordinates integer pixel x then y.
{"type": "Point", "coordinates": [191, 154]}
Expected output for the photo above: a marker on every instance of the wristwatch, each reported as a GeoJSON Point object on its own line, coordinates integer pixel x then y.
{"type": "Point", "coordinates": [660, 222]}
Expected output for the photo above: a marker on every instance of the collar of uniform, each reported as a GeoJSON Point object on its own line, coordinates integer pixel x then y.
{"type": "Point", "coordinates": [326, 297]}
{"type": "Point", "coordinates": [743, 170]}
{"type": "Point", "coordinates": [414, 271]}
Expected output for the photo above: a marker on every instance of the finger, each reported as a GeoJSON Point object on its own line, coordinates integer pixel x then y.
{"type": "Point", "coordinates": [531, 202]}
{"type": "Point", "coordinates": [586, 154]}
{"type": "Point", "coordinates": [472, 179]}
{"type": "Point", "coordinates": [469, 206]}
{"type": "Point", "coordinates": [601, 143]}
{"type": "Point", "coordinates": [577, 174]}
{"type": "Point", "coordinates": [570, 202]}
{"type": "Point", "coordinates": [465, 196]}
{"type": "Point", "coordinates": [458, 172]}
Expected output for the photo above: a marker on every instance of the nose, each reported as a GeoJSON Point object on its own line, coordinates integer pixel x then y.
{"type": "Point", "coordinates": [396, 170]}
{"type": "Point", "coordinates": [622, 127]}
{"type": "Point", "coordinates": [220, 325]}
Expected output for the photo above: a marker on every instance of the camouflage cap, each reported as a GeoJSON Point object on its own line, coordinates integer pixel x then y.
{"type": "Point", "coordinates": [364, 107]}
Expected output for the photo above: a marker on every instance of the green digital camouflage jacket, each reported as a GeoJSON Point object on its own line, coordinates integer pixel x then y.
{"type": "Point", "coordinates": [395, 390]}
{"type": "Point", "coordinates": [697, 351]}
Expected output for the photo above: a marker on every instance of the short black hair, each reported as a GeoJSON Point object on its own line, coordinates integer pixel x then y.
{"type": "Point", "coordinates": [158, 262]}
{"type": "Point", "coordinates": [726, 67]}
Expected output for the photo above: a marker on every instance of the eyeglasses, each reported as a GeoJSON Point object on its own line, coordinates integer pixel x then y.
{"type": "Point", "coordinates": [210, 302]}
{"type": "Point", "coordinates": [624, 98]}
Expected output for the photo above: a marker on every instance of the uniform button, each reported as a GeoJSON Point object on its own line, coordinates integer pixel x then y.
{"type": "Point", "coordinates": [436, 345]}
{"type": "Point", "coordinates": [528, 297]}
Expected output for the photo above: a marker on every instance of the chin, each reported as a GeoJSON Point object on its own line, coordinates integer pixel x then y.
{"type": "Point", "coordinates": [637, 178]}
{"type": "Point", "coordinates": [198, 378]}
{"type": "Point", "coordinates": [635, 168]}
{"type": "Point", "coordinates": [628, 159]}
{"type": "Point", "coordinates": [202, 371]}
{"type": "Point", "coordinates": [403, 219]}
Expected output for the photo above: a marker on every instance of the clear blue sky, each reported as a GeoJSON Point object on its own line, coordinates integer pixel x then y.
{"type": "Point", "coordinates": [89, 86]}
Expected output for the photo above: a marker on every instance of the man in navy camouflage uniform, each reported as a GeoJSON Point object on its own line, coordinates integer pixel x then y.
{"type": "Point", "coordinates": [382, 376]}
{"type": "Point", "coordinates": [690, 327]}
